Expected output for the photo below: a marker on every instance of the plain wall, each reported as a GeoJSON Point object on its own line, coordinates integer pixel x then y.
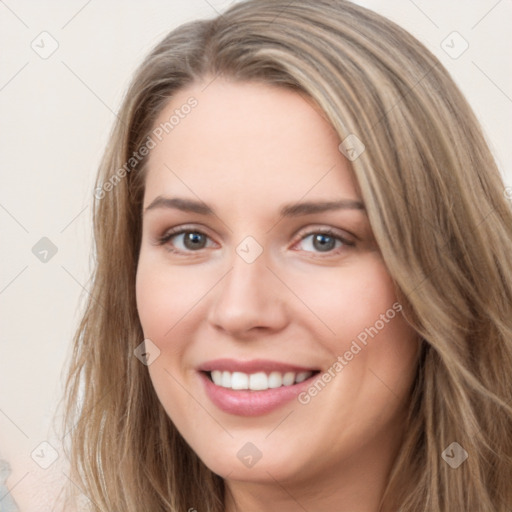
{"type": "Point", "coordinates": [56, 116]}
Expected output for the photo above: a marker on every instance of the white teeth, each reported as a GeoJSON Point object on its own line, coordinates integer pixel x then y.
{"type": "Point", "coordinates": [239, 380]}
{"type": "Point", "coordinates": [275, 380]}
{"type": "Point", "coordinates": [217, 377]}
{"type": "Point", "coordinates": [257, 381]}
{"type": "Point", "coordinates": [288, 378]}
{"type": "Point", "coordinates": [302, 376]}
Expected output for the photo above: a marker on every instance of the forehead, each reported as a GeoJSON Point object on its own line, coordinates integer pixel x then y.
{"type": "Point", "coordinates": [249, 142]}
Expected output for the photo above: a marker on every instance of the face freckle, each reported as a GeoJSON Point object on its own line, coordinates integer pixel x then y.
{"type": "Point", "coordinates": [257, 259]}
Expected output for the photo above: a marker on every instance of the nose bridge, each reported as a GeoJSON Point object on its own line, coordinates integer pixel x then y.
{"type": "Point", "coordinates": [246, 297]}
{"type": "Point", "coordinates": [245, 283]}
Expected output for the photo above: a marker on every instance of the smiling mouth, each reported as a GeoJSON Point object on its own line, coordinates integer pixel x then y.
{"type": "Point", "coordinates": [258, 381]}
{"type": "Point", "coordinates": [255, 387]}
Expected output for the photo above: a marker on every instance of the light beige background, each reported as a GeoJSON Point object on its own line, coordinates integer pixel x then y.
{"type": "Point", "coordinates": [56, 113]}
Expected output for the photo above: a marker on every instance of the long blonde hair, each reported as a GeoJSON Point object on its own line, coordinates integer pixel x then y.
{"type": "Point", "coordinates": [436, 205]}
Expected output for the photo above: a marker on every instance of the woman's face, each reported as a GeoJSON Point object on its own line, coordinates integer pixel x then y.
{"type": "Point", "coordinates": [283, 354]}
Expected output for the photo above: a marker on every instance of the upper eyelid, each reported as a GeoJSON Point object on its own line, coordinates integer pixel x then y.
{"type": "Point", "coordinates": [184, 228]}
{"type": "Point", "coordinates": [303, 231]}
{"type": "Point", "coordinates": [335, 232]}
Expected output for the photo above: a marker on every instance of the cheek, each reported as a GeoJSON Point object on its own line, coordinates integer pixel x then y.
{"type": "Point", "coordinates": [361, 320]}
{"type": "Point", "coordinates": [165, 304]}
{"type": "Point", "coordinates": [166, 296]}
{"type": "Point", "coordinates": [349, 300]}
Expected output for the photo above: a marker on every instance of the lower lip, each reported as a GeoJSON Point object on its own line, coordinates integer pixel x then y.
{"type": "Point", "coordinates": [252, 403]}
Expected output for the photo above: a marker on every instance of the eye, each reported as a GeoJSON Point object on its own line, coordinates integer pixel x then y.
{"type": "Point", "coordinates": [186, 240]}
{"type": "Point", "coordinates": [322, 242]}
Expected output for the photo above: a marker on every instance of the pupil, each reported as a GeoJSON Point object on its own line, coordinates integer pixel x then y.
{"type": "Point", "coordinates": [323, 242]}
{"type": "Point", "coordinates": [194, 240]}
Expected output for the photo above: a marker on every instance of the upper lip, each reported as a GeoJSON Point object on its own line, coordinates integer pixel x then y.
{"type": "Point", "coordinates": [252, 366]}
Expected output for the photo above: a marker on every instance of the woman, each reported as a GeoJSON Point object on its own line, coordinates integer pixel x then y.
{"type": "Point", "coordinates": [302, 297]}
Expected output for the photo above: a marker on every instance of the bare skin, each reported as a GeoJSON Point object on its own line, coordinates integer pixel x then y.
{"type": "Point", "coordinates": [247, 150]}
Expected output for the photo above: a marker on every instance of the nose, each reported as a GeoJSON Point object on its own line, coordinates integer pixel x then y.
{"type": "Point", "coordinates": [248, 300]}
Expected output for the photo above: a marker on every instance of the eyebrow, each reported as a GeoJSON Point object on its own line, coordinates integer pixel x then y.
{"type": "Point", "coordinates": [291, 210]}
{"type": "Point", "coordinates": [186, 205]}
{"type": "Point", "coordinates": [308, 208]}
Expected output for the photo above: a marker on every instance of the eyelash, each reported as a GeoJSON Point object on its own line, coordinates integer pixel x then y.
{"type": "Point", "coordinates": [327, 232]}
{"type": "Point", "coordinates": [168, 235]}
